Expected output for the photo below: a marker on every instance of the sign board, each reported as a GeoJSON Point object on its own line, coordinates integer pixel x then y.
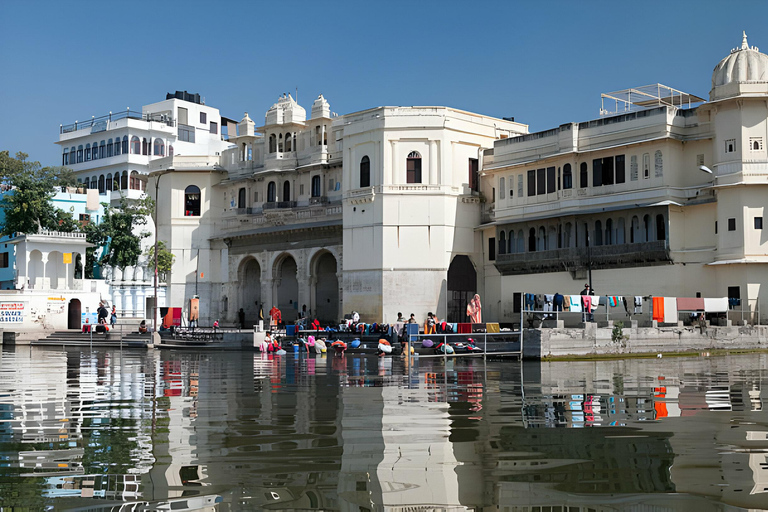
{"type": "Point", "coordinates": [91, 318]}
{"type": "Point", "coordinates": [12, 312]}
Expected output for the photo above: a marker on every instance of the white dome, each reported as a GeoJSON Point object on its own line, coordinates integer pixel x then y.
{"type": "Point", "coordinates": [744, 64]}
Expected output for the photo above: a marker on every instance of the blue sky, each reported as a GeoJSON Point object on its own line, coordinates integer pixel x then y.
{"type": "Point", "coordinates": [545, 62]}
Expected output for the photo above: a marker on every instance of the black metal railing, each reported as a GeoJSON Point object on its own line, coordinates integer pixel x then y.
{"type": "Point", "coordinates": [127, 114]}
{"type": "Point", "coordinates": [279, 204]}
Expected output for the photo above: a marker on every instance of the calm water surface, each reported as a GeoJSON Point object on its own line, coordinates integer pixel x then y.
{"type": "Point", "coordinates": [134, 430]}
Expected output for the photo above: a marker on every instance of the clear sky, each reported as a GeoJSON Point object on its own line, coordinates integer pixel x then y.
{"type": "Point", "coordinates": [543, 62]}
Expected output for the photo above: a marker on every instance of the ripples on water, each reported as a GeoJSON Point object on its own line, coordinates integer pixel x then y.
{"type": "Point", "coordinates": [135, 430]}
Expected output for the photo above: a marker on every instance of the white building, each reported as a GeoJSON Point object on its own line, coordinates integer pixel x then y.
{"type": "Point", "coordinates": [365, 211]}
{"type": "Point", "coordinates": [112, 153]}
{"type": "Point", "coordinates": [632, 184]}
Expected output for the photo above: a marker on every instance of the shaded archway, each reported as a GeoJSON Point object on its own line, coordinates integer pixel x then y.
{"type": "Point", "coordinates": [286, 288]}
{"type": "Point", "coordinates": [462, 285]}
{"type": "Point", "coordinates": [326, 292]}
{"type": "Point", "coordinates": [73, 314]}
{"type": "Point", "coordinates": [249, 281]}
{"type": "Point", "coordinates": [35, 270]}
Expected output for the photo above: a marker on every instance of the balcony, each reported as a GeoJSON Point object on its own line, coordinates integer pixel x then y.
{"type": "Point", "coordinates": [284, 213]}
{"type": "Point", "coordinates": [577, 258]}
{"type": "Point", "coordinates": [97, 124]}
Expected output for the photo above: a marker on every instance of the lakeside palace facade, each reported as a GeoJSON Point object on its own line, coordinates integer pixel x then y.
{"type": "Point", "coordinates": [415, 209]}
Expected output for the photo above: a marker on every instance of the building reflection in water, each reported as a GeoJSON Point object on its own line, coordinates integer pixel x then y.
{"type": "Point", "coordinates": [235, 431]}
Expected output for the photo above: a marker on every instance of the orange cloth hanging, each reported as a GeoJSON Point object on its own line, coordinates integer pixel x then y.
{"type": "Point", "coordinates": [658, 309]}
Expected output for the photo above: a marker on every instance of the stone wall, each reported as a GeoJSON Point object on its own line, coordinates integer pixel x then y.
{"type": "Point", "coordinates": [594, 341]}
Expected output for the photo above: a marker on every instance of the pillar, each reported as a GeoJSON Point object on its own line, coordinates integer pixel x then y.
{"type": "Point", "coordinates": [432, 163]}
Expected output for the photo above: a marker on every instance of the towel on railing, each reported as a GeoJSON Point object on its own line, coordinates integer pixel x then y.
{"type": "Point", "coordinates": [670, 310]}
{"type": "Point", "coordinates": [575, 301]}
{"type": "Point", "coordinates": [658, 309]}
{"type": "Point", "coordinates": [690, 304]}
{"type": "Point", "coordinates": [638, 305]}
{"type": "Point", "coordinates": [586, 300]}
{"type": "Point", "coordinates": [492, 327]}
{"type": "Point", "coordinates": [716, 305]}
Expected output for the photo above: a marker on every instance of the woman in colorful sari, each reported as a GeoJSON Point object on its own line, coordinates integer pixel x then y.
{"type": "Point", "coordinates": [474, 310]}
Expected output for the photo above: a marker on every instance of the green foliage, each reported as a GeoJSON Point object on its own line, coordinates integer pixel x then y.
{"type": "Point", "coordinates": [117, 229]}
{"type": "Point", "coordinates": [28, 209]}
{"type": "Point", "coordinates": [617, 334]}
{"type": "Point", "coordinates": [165, 258]}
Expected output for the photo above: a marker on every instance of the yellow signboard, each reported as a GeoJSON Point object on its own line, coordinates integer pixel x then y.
{"type": "Point", "coordinates": [67, 257]}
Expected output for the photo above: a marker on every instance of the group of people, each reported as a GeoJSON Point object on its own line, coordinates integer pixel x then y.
{"type": "Point", "coordinates": [102, 313]}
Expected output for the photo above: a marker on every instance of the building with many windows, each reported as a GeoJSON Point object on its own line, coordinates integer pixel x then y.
{"type": "Point", "coordinates": [113, 153]}
{"type": "Point", "coordinates": [366, 211]}
{"type": "Point", "coordinates": [661, 197]}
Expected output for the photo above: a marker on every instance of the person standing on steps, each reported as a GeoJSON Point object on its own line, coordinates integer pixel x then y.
{"type": "Point", "coordinates": [113, 316]}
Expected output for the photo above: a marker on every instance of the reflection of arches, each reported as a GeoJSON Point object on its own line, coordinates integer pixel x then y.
{"type": "Point", "coordinates": [326, 293]}
{"type": "Point", "coordinates": [462, 284]}
{"type": "Point", "coordinates": [286, 287]}
{"type": "Point", "coordinates": [249, 280]}
{"type": "Point", "coordinates": [73, 314]}
{"type": "Point", "coordinates": [36, 269]}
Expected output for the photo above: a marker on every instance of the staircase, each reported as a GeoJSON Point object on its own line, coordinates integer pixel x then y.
{"type": "Point", "coordinates": [123, 335]}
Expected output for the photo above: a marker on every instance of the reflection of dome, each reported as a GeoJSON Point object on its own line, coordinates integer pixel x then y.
{"type": "Point", "coordinates": [744, 64]}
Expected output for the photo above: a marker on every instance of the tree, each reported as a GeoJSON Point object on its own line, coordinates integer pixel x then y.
{"type": "Point", "coordinates": [117, 234]}
{"type": "Point", "coordinates": [165, 258]}
{"type": "Point", "coordinates": [28, 207]}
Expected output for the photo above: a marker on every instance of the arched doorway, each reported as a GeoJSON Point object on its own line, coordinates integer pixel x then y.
{"type": "Point", "coordinates": [326, 288]}
{"type": "Point", "coordinates": [249, 279]}
{"type": "Point", "coordinates": [287, 288]}
{"type": "Point", "coordinates": [462, 285]}
{"type": "Point", "coordinates": [73, 314]}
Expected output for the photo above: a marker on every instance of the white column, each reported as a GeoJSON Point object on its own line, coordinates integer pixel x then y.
{"type": "Point", "coordinates": [391, 173]}
{"type": "Point", "coordinates": [432, 163]}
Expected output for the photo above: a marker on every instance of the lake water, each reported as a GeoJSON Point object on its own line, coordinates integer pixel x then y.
{"type": "Point", "coordinates": [219, 431]}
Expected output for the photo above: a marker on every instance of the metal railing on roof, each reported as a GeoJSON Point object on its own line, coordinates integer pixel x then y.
{"type": "Point", "coordinates": [127, 114]}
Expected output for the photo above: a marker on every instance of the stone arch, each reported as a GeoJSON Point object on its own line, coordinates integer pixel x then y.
{"type": "Point", "coordinates": [323, 272]}
{"type": "Point", "coordinates": [461, 286]}
{"type": "Point", "coordinates": [36, 269]}
{"type": "Point", "coordinates": [249, 281]}
{"type": "Point", "coordinates": [54, 270]}
{"type": "Point", "coordinates": [286, 286]}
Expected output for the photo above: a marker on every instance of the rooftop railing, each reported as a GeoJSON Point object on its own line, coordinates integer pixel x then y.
{"type": "Point", "coordinates": [127, 114]}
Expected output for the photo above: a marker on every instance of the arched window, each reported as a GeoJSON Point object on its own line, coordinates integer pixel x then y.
{"type": "Point", "coordinates": [271, 192]}
{"type": "Point", "coordinates": [72, 153]}
{"type": "Point", "coordinates": [756, 146]}
{"type": "Point", "coordinates": [135, 182]}
{"type": "Point", "coordinates": [125, 144]}
{"type": "Point", "coordinates": [280, 143]}
{"type": "Point", "coordinates": [79, 153]}
{"type": "Point", "coordinates": [413, 168]}
{"type": "Point", "coordinates": [583, 175]}
{"type": "Point", "coordinates": [124, 181]}
{"type": "Point", "coordinates": [87, 152]}
{"type": "Point", "coordinates": [108, 183]}
{"type": "Point", "coordinates": [316, 192]}
{"type": "Point", "coordinates": [116, 150]}
{"type": "Point", "coordinates": [101, 185]}
{"type": "Point", "coordinates": [288, 142]}
{"type": "Point", "coordinates": [567, 177]}
{"type": "Point", "coordinates": [502, 242]}
{"type": "Point", "coordinates": [65, 157]}
{"type": "Point", "coordinates": [272, 143]}
{"type": "Point", "coordinates": [609, 232]}
{"type": "Point", "coordinates": [110, 148]}
{"type": "Point", "coordinates": [541, 243]}
{"type": "Point", "coordinates": [241, 198]}
{"type": "Point", "coordinates": [170, 150]}
{"type": "Point", "coordinates": [598, 233]}
{"type": "Point", "coordinates": [567, 235]}
{"type": "Point", "coordinates": [365, 172]}
{"type": "Point", "coordinates": [95, 151]}
{"type": "Point", "coordinates": [661, 228]}
{"type": "Point", "coordinates": [103, 149]}
{"type": "Point", "coordinates": [532, 240]}
{"type": "Point", "coordinates": [634, 230]}
{"type": "Point", "coordinates": [135, 145]}
{"type": "Point", "coordinates": [158, 147]}
{"type": "Point", "coordinates": [620, 236]}
{"type": "Point", "coordinates": [511, 243]}
{"type": "Point", "coordinates": [192, 201]}
{"type": "Point", "coordinates": [286, 190]}
{"type": "Point", "coordinates": [520, 241]}
{"type": "Point", "coordinates": [145, 146]}
{"type": "Point", "coordinates": [646, 228]}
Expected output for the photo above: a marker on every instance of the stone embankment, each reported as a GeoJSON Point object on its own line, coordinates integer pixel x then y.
{"type": "Point", "coordinates": [595, 342]}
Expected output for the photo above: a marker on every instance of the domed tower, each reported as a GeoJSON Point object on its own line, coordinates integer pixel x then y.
{"type": "Point", "coordinates": [738, 113]}
{"type": "Point", "coordinates": [246, 127]}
